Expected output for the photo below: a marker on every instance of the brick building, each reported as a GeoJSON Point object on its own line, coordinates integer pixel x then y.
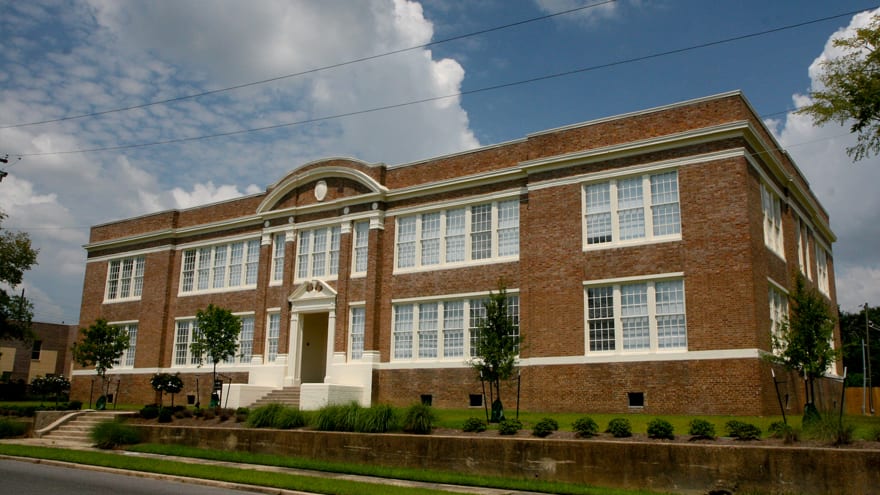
{"type": "Point", "coordinates": [47, 354]}
{"type": "Point", "coordinates": [647, 258]}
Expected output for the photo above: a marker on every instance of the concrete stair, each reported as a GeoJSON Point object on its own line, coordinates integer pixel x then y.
{"type": "Point", "coordinates": [289, 396]}
{"type": "Point", "coordinates": [77, 428]}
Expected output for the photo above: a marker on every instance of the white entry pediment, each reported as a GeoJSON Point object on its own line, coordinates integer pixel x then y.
{"type": "Point", "coordinates": [312, 296]}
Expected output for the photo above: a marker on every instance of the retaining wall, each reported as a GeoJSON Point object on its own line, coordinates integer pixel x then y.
{"type": "Point", "coordinates": [657, 465]}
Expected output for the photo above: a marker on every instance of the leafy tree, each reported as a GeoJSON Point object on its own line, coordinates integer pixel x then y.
{"type": "Point", "coordinates": [166, 383]}
{"type": "Point", "coordinates": [852, 334]}
{"type": "Point", "coordinates": [54, 385]}
{"type": "Point", "coordinates": [851, 90]}
{"type": "Point", "coordinates": [804, 341]}
{"type": "Point", "coordinates": [496, 348]}
{"type": "Point", "coordinates": [216, 338]}
{"type": "Point", "coordinates": [16, 257]}
{"type": "Point", "coordinates": [101, 346]}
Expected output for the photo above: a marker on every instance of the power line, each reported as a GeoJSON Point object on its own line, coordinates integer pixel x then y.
{"type": "Point", "coordinates": [312, 71]}
{"type": "Point", "coordinates": [453, 95]}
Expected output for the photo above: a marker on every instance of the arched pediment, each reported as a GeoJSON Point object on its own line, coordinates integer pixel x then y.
{"type": "Point", "coordinates": [337, 168]}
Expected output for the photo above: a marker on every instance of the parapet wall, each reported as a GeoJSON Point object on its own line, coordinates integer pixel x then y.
{"type": "Point", "coordinates": [656, 465]}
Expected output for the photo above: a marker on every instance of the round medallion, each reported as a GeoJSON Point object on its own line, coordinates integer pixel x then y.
{"type": "Point", "coordinates": [321, 190]}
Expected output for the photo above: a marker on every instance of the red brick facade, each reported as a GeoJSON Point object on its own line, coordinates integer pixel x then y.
{"type": "Point", "coordinates": [721, 156]}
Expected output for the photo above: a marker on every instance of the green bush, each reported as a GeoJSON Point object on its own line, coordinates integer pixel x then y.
{"type": "Point", "coordinates": [377, 419]}
{"type": "Point", "coordinates": [338, 417]}
{"type": "Point", "coordinates": [289, 418]}
{"type": "Point", "coordinates": [74, 405]}
{"type": "Point", "coordinates": [545, 427]}
{"type": "Point", "coordinates": [150, 411]}
{"type": "Point", "coordinates": [619, 428]}
{"type": "Point", "coordinates": [509, 426]}
{"type": "Point", "coordinates": [265, 416]}
{"type": "Point", "coordinates": [419, 419]}
{"type": "Point", "coordinates": [787, 433]}
{"type": "Point", "coordinates": [661, 429]}
{"type": "Point", "coordinates": [742, 431]}
{"type": "Point", "coordinates": [165, 415]}
{"type": "Point", "coordinates": [474, 425]}
{"type": "Point", "coordinates": [10, 428]}
{"type": "Point", "coordinates": [700, 429]}
{"type": "Point", "coordinates": [585, 427]}
{"type": "Point", "coordinates": [111, 434]}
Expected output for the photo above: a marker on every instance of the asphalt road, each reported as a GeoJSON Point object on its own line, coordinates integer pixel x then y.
{"type": "Point", "coordinates": [26, 478]}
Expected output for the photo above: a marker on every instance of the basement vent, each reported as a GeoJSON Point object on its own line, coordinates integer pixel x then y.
{"type": "Point", "coordinates": [476, 400]}
{"type": "Point", "coordinates": [636, 399]}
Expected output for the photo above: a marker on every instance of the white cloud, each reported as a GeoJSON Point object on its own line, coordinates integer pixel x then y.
{"type": "Point", "coordinates": [206, 193]}
{"type": "Point", "coordinates": [846, 189]}
{"type": "Point", "coordinates": [587, 16]}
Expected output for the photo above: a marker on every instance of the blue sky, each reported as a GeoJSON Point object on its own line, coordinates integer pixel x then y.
{"type": "Point", "coordinates": [63, 58]}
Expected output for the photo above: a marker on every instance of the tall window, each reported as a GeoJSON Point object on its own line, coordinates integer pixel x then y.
{"type": "Point", "coordinates": [443, 329]}
{"type": "Point", "coordinates": [633, 209]}
{"type": "Point", "coordinates": [803, 245]}
{"type": "Point", "coordinates": [459, 235]}
{"type": "Point", "coordinates": [361, 243]}
{"type": "Point", "coordinates": [778, 301]}
{"type": "Point", "coordinates": [318, 253]}
{"type": "Point", "coordinates": [772, 220]}
{"type": "Point", "coordinates": [125, 279]}
{"type": "Point", "coordinates": [358, 319]}
{"type": "Point", "coordinates": [272, 335]}
{"type": "Point", "coordinates": [822, 280]}
{"type": "Point", "coordinates": [278, 257]}
{"type": "Point", "coordinates": [636, 317]}
{"type": "Point", "coordinates": [185, 333]}
{"type": "Point", "coordinates": [221, 267]}
{"type": "Point", "coordinates": [245, 342]}
{"type": "Point", "coordinates": [127, 358]}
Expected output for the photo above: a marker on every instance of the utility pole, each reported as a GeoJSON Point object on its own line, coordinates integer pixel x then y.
{"type": "Point", "coordinates": [868, 343]}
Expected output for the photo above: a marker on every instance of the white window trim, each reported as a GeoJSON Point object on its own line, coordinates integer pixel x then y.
{"type": "Point", "coordinates": [274, 278]}
{"type": "Point", "coordinates": [466, 301]}
{"type": "Point", "coordinates": [246, 242]}
{"type": "Point", "coordinates": [823, 281]}
{"type": "Point", "coordinates": [122, 362]}
{"type": "Point", "coordinates": [650, 280]}
{"type": "Point", "coordinates": [268, 358]}
{"type": "Point", "coordinates": [236, 359]}
{"type": "Point", "coordinates": [355, 273]}
{"type": "Point", "coordinates": [468, 232]}
{"type": "Point", "coordinates": [133, 278]}
{"type": "Point", "coordinates": [327, 253]}
{"type": "Point", "coordinates": [192, 322]}
{"type": "Point", "coordinates": [350, 353]}
{"type": "Point", "coordinates": [778, 310]}
{"type": "Point", "coordinates": [804, 234]}
{"type": "Point", "coordinates": [616, 242]}
{"type": "Point", "coordinates": [772, 221]}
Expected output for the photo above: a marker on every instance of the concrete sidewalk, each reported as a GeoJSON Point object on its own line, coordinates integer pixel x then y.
{"type": "Point", "coordinates": [256, 467]}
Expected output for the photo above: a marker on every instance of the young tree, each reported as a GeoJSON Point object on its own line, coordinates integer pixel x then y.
{"type": "Point", "coordinates": [496, 348]}
{"type": "Point", "coordinates": [16, 257]}
{"type": "Point", "coordinates": [101, 346]}
{"type": "Point", "coordinates": [216, 338]}
{"type": "Point", "coordinates": [804, 344]}
{"type": "Point", "coordinates": [851, 89]}
{"type": "Point", "coordinates": [166, 383]}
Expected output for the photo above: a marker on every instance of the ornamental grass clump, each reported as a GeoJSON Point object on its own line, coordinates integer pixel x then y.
{"type": "Point", "coordinates": [419, 419]}
{"type": "Point", "coordinates": [378, 419]}
{"type": "Point", "coordinates": [9, 428]}
{"type": "Point", "coordinates": [265, 416]}
{"type": "Point", "coordinates": [112, 434]}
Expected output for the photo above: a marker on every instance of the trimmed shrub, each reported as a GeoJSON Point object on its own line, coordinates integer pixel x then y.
{"type": "Point", "coordinates": [377, 419]}
{"type": "Point", "coordinates": [619, 428]}
{"type": "Point", "coordinates": [474, 425]}
{"type": "Point", "coordinates": [74, 405]}
{"type": "Point", "coordinates": [509, 426]}
{"type": "Point", "coordinates": [265, 416]}
{"type": "Point", "coordinates": [545, 427]}
{"type": "Point", "coordinates": [419, 419]}
{"type": "Point", "coordinates": [10, 428]}
{"type": "Point", "coordinates": [700, 429]}
{"type": "Point", "coordinates": [585, 427]}
{"type": "Point", "coordinates": [150, 411]}
{"type": "Point", "coordinates": [742, 431]}
{"type": "Point", "coordinates": [111, 434]}
{"type": "Point", "coordinates": [661, 429]}
{"type": "Point", "coordinates": [165, 415]}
